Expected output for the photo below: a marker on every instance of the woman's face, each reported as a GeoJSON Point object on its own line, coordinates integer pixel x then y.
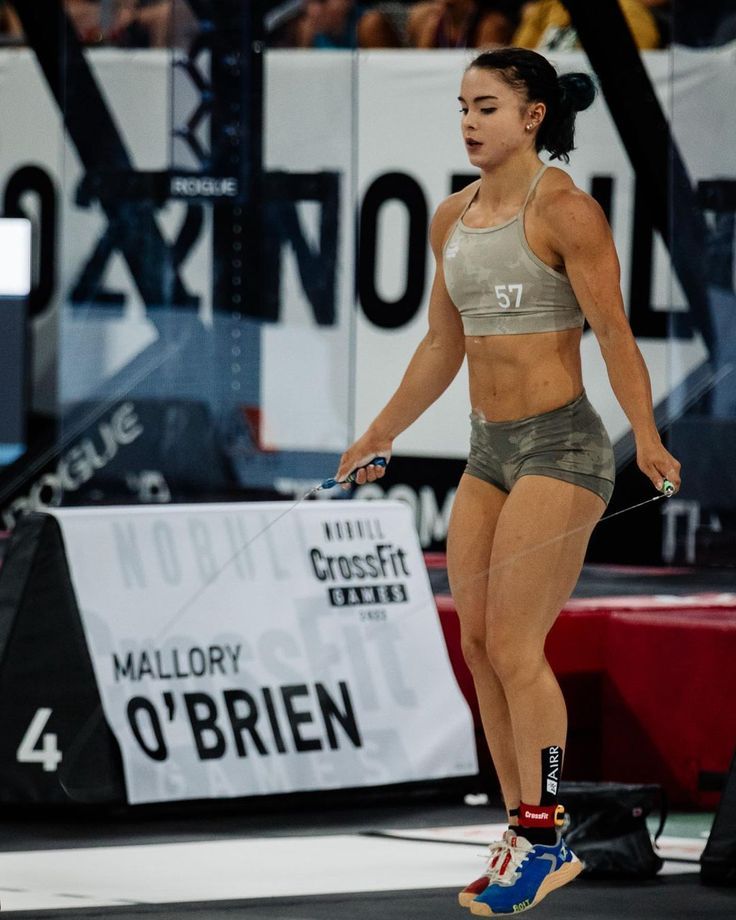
{"type": "Point", "coordinates": [495, 116]}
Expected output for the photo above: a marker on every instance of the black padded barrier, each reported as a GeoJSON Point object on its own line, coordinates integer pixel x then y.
{"type": "Point", "coordinates": [45, 665]}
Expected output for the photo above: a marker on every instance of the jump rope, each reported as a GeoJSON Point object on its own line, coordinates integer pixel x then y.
{"type": "Point", "coordinates": [667, 491]}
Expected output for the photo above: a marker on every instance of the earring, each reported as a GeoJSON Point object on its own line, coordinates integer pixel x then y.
{"type": "Point", "coordinates": [529, 127]}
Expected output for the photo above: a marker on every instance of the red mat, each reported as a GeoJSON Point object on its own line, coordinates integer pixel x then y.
{"type": "Point", "coordinates": [650, 685]}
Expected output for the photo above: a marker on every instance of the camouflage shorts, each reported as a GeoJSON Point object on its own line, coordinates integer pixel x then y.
{"type": "Point", "coordinates": [567, 443]}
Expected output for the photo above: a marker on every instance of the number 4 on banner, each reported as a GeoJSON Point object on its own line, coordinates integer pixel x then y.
{"type": "Point", "coordinates": [50, 756]}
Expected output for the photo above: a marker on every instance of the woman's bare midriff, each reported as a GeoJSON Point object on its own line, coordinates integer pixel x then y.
{"type": "Point", "coordinates": [514, 376]}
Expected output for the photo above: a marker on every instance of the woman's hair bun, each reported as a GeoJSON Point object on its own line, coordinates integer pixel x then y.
{"type": "Point", "coordinates": [577, 90]}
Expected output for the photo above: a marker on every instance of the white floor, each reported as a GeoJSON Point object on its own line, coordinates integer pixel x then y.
{"type": "Point", "coordinates": [668, 847]}
{"type": "Point", "coordinates": [247, 868]}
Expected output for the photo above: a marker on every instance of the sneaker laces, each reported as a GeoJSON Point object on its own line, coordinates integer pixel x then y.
{"type": "Point", "coordinates": [516, 851]}
{"type": "Point", "coordinates": [496, 853]}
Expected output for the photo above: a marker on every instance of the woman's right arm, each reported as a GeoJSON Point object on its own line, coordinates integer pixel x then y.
{"type": "Point", "coordinates": [432, 368]}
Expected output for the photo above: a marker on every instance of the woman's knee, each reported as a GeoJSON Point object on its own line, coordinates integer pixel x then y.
{"type": "Point", "coordinates": [515, 659]}
{"type": "Point", "coordinates": [473, 647]}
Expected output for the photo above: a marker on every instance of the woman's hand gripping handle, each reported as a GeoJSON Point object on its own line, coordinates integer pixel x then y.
{"type": "Point", "coordinates": [365, 461]}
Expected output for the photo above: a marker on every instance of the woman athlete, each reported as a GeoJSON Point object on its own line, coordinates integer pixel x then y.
{"type": "Point", "coordinates": [523, 258]}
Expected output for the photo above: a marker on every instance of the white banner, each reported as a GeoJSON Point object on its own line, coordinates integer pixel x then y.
{"type": "Point", "coordinates": [249, 649]}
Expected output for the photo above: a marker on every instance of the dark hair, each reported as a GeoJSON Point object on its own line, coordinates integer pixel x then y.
{"type": "Point", "coordinates": [564, 95]}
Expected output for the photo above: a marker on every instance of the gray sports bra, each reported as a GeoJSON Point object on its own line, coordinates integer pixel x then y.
{"type": "Point", "coordinates": [500, 286]}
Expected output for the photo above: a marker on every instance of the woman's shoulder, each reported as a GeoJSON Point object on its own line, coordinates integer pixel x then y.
{"type": "Point", "coordinates": [554, 180]}
{"type": "Point", "coordinates": [557, 191]}
{"type": "Point", "coordinates": [565, 208]}
{"type": "Point", "coordinates": [448, 211]}
{"type": "Point", "coordinates": [452, 205]}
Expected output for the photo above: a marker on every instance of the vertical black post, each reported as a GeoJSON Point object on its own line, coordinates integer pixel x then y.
{"type": "Point", "coordinates": [92, 129]}
{"type": "Point", "coordinates": [236, 132]}
{"type": "Point", "coordinates": [653, 152]}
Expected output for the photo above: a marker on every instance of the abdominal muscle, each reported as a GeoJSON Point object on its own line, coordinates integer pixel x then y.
{"type": "Point", "coordinates": [514, 376]}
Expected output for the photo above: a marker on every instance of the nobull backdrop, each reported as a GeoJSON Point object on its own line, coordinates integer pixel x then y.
{"type": "Point", "coordinates": [357, 147]}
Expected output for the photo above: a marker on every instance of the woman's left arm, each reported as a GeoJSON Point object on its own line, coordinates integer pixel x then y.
{"type": "Point", "coordinates": [579, 232]}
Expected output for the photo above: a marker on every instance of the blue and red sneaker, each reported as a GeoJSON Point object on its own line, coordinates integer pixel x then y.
{"type": "Point", "coordinates": [527, 874]}
{"type": "Point", "coordinates": [496, 851]}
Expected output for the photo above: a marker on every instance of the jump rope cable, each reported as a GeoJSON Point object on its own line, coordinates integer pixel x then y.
{"type": "Point", "coordinates": [668, 491]}
{"type": "Point", "coordinates": [324, 485]}
{"type": "Point", "coordinates": [567, 533]}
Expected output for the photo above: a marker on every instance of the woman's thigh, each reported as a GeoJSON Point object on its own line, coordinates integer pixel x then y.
{"type": "Point", "coordinates": [475, 512]}
{"type": "Point", "coordinates": [538, 550]}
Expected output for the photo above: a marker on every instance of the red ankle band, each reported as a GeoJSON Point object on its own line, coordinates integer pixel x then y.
{"type": "Point", "coordinates": [539, 815]}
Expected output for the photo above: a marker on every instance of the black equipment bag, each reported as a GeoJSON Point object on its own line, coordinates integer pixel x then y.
{"type": "Point", "coordinates": [607, 828]}
{"type": "Point", "coordinates": [718, 860]}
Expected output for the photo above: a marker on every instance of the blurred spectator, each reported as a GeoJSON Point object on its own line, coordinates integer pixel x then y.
{"type": "Point", "coordinates": [460, 23]}
{"type": "Point", "coordinates": [86, 19]}
{"type": "Point", "coordinates": [165, 23]}
{"type": "Point", "coordinates": [662, 12]}
{"type": "Point", "coordinates": [282, 21]}
{"type": "Point", "coordinates": [703, 24]}
{"type": "Point", "coordinates": [344, 24]}
{"type": "Point", "coordinates": [132, 23]}
{"type": "Point", "coordinates": [10, 27]}
{"type": "Point", "coordinates": [546, 26]}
